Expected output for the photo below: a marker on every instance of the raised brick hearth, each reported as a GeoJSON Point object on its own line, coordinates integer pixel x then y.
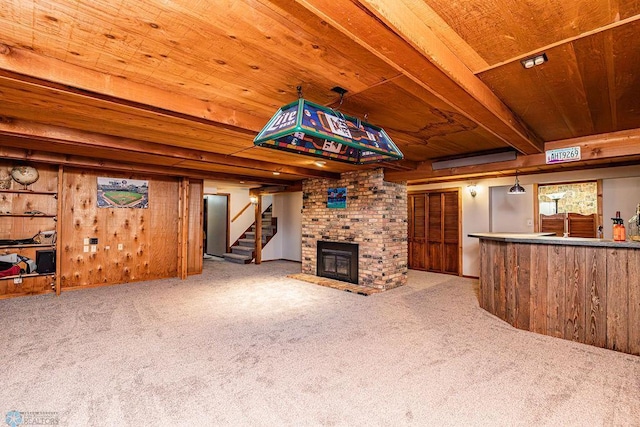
{"type": "Point", "coordinates": [375, 218]}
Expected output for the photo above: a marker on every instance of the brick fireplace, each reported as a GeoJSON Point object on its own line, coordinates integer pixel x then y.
{"type": "Point", "coordinates": [375, 219]}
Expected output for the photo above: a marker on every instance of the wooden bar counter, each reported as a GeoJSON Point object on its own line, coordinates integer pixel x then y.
{"type": "Point", "coordinates": [585, 290]}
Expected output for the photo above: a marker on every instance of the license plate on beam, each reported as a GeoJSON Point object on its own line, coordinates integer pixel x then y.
{"type": "Point", "coordinates": [562, 155]}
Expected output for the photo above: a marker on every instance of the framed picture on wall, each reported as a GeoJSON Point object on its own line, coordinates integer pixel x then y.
{"type": "Point", "coordinates": [337, 198]}
{"type": "Point", "coordinates": [122, 193]}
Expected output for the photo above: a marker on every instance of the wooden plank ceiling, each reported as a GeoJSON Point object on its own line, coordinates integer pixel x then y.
{"type": "Point", "coordinates": [183, 86]}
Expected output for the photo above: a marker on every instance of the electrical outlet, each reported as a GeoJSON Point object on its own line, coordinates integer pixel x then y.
{"type": "Point", "coordinates": [86, 248]}
{"type": "Point", "coordinates": [17, 281]}
{"type": "Point", "coordinates": [93, 241]}
{"type": "Point", "coordinates": [106, 248]}
{"type": "Point", "coordinates": [86, 240]}
{"type": "Point", "coordinates": [94, 248]}
{"type": "Point", "coordinates": [120, 246]}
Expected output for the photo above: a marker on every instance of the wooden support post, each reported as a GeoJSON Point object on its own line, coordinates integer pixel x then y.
{"type": "Point", "coordinates": [183, 228]}
{"type": "Point", "coordinates": [58, 229]}
{"type": "Point", "coordinates": [258, 214]}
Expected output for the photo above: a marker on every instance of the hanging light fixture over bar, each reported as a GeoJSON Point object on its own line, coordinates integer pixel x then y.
{"type": "Point", "coordinates": [311, 129]}
{"type": "Point", "coordinates": [516, 188]}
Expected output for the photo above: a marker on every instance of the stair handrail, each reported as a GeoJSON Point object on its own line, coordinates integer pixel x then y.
{"type": "Point", "coordinates": [274, 224]}
{"type": "Point", "coordinates": [239, 214]}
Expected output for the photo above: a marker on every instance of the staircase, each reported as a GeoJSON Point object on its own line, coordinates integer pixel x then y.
{"type": "Point", "coordinates": [243, 249]}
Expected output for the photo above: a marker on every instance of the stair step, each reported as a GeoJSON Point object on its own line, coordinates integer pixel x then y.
{"type": "Point", "coordinates": [247, 242]}
{"type": "Point", "coordinates": [243, 250]}
{"type": "Point", "coordinates": [238, 259]}
{"type": "Point", "coordinates": [253, 227]}
{"type": "Point", "coordinates": [251, 235]}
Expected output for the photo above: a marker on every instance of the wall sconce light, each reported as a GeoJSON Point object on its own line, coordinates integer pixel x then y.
{"type": "Point", "coordinates": [473, 190]}
{"type": "Point", "coordinates": [253, 199]}
{"type": "Point", "coordinates": [534, 61]}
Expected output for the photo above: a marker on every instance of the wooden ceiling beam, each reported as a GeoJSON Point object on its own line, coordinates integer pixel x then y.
{"type": "Point", "coordinates": [440, 28]}
{"type": "Point", "coordinates": [603, 148]}
{"type": "Point", "coordinates": [20, 64]}
{"type": "Point", "coordinates": [72, 137]}
{"type": "Point", "coordinates": [28, 155]}
{"type": "Point", "coordinates": [392, 32]}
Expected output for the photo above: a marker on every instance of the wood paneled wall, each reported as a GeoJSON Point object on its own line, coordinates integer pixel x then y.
{"type": "Point", "coordinates": [149, 237]}
{"type": "Point", "coordinates": [580, 293]}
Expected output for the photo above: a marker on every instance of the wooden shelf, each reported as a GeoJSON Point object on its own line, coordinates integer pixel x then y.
{"type": "Point", "coordinates": [28, 210]}
{"type": "Point", "coordinates": [33, 245]}
{"type": "Point", "coordinates": [29, 215]}
{"type": "Point", "coordinates": [52, 193]}
{"type": "Point", "coordinates": [27, 275]}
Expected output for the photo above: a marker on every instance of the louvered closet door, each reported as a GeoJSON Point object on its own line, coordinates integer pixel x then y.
{"type": "Point", "coordinates": [451, 233]}
{"type": "Point", "coordinates": [417, 231]}
{"type": "Point", "coordinates": [434, 232]}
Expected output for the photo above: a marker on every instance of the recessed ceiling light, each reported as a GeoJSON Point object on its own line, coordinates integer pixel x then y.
{"type": "Point", "coordinates": [276, 173]}
{"type": "Point", "coordinates": [534, 60]}
{"type": "Point", "coordinates": [320, 163]}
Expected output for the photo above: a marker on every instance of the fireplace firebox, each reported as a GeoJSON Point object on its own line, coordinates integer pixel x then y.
{"type": "Point", "coordinates": [338, 260]}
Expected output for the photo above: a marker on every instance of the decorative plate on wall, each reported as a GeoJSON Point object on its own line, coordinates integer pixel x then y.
{"type": "Point", "coordinates": [25, 175]}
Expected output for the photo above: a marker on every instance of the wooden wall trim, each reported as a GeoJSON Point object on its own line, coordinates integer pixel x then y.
{"type": "Point", "coordinates": [183, 228]}
{"type": "Point", "coordinates": [536, 209]}
{"type": "Point", "coordinates": [195, 229]}
{"type": "Point", "coordinates": [459, 231]}
{"type": "Point", "coordinates": [258, 235]}
{"type": "Point", "coordinates": [59, 236]}
{"type": "Point", "coordinates": [599, 198]}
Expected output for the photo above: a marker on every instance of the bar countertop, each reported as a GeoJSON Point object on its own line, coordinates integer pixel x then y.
{"type": "Point", "coordinates": [548, 239]}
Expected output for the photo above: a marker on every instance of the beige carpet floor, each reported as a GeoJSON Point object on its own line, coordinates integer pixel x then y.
{"type": "Point", "coordinates": [247, 346]}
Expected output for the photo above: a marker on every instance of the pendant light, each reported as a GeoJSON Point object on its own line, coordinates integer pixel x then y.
{"type": "Point", "coordinates": [310, 129]}
{"type": "Point", "coordinates": [517, 188]}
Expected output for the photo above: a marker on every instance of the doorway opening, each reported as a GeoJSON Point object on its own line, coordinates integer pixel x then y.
{"type": "Point", "coordinates": [571, 209]}
{"type": "Point", "coordinates": [216, 224]}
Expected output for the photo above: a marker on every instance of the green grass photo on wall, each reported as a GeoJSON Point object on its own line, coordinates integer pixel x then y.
{"type": "Point", "coordinates": [122, 193]}
{"type": "Point", "coordinates": [122, 198]}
